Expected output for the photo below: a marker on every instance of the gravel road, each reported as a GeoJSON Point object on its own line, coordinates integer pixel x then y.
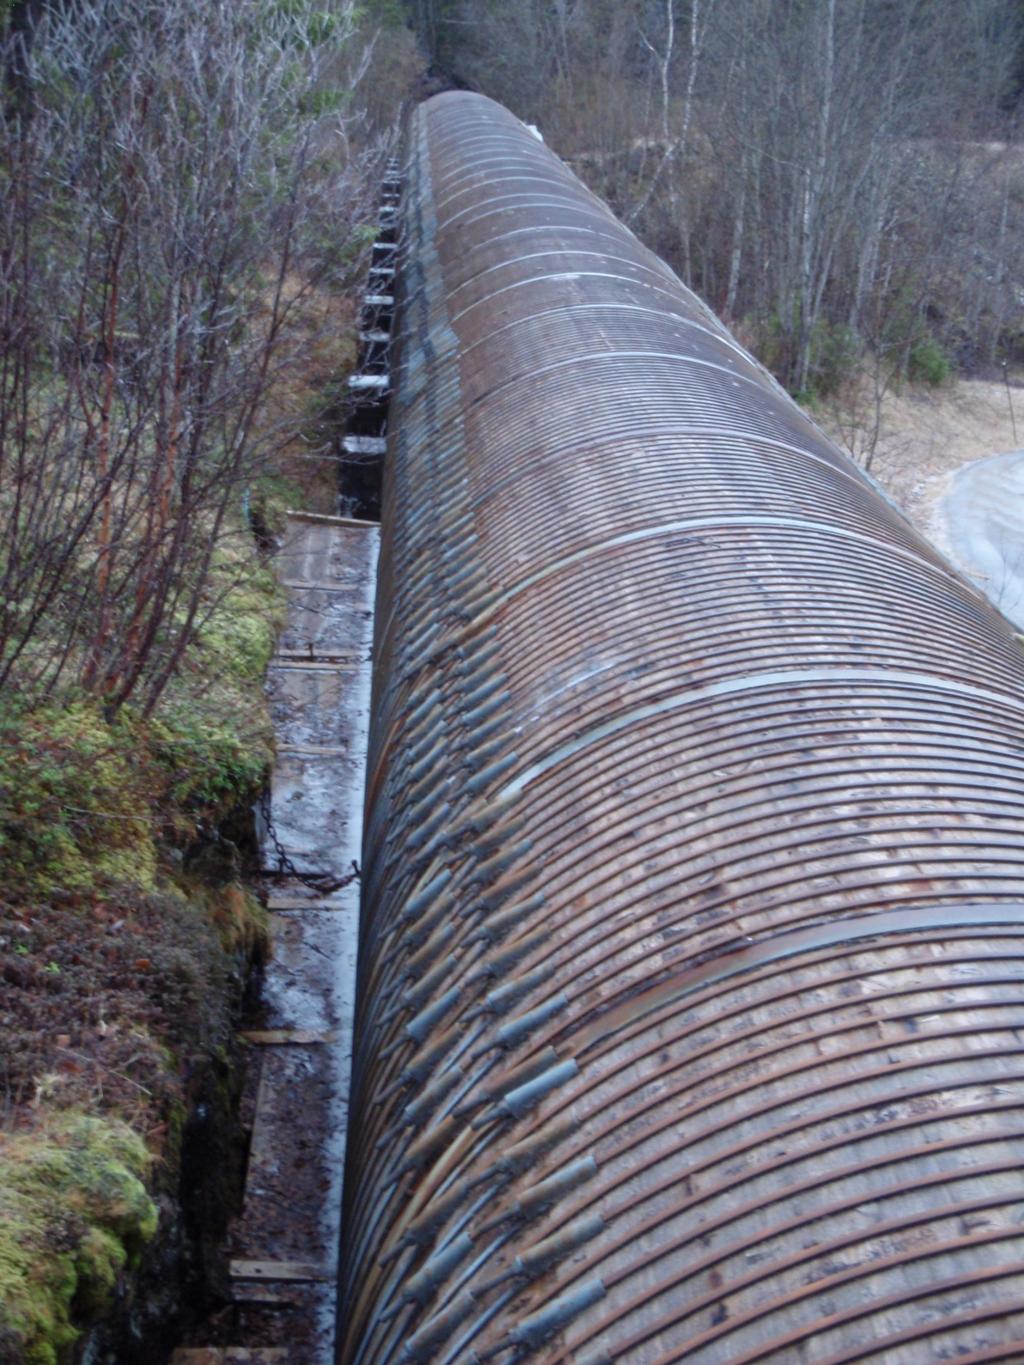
{"type": "Point", "coordinates": [981, 519]}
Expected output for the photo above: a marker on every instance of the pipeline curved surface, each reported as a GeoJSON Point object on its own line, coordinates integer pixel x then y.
{"type": "Point", "coordinates": [692, 966]}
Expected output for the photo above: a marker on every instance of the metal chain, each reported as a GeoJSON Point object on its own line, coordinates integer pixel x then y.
{"type": "Point", "coordinates": [323, 882]}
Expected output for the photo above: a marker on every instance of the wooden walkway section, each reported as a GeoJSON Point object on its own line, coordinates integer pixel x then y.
{"type": "Point", "coordinates": [284, 1249]}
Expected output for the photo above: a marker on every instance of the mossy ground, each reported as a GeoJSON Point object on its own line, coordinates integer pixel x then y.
{"type": "Point", "coordinates": [120, 955]}
{"type": "Point", "coordinates": [74, 1211]}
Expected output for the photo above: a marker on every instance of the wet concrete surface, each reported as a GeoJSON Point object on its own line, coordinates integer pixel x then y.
{"type": "Point", "coordinates": [284, 1249]}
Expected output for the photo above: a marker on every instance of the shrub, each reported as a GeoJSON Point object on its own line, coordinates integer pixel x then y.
{"type": "Point", "coordinates": [834, 355]}
{"type": "Point", "coordinates": [75, 800]}
{"type": "Point", "coordinates": [928, 363]}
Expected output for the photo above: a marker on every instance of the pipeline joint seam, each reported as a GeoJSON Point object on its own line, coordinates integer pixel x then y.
{"type": "Point", "coordinates": [788, 678]}
{"type": "Point", "coordinates": [756, 953]}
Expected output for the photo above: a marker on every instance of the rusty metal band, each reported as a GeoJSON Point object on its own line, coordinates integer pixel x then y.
{"type": "Point", "coordinates": [784, 992]}
{"type": "Point", "coordinates": [804, 1254]}
{"type": "Point", "coordinates": [655, 1128]}
{"type": "Point", "coordinates": [1005, 1271]}
{"type": "Point", "coordinates": [740, 1246]}
{"type": "Point", "coordinates": [1005, 1308]}
{"type": "Point", "coordinates": [780, 1162]}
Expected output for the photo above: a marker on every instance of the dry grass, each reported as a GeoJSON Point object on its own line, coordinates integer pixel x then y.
{"type": "Point", "coordinates": [928, 433]}
{"type": "Point", "coordinates": [302, 404]}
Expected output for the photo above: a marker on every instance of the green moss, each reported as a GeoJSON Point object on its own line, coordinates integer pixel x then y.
{"type": "Point", "coordinates": [216, 740]}
{"type": "Point", "coordinates": [82, 799]}
{"type": "Point", "coordinates": [73, 1213]}
{"type": "Point", "coordinates": [239, 637]}
{"type": "Point", "coordinates": [73, 800]}
{"type": "Point", "coordinates": [101, 1259]}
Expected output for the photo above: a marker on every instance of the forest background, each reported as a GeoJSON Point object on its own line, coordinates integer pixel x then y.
{"type": "Point", "coordinates": [839, 179]}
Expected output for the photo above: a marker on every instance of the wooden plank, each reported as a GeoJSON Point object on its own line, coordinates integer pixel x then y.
{"type": "Point", "coordinates": [291, 1271]}
{"type": "Point", "coordinates": [277, 1037]}
{"type": "Point", "coordinates": [258, 1138]}
{"type": "Point", "coordinates": [314, 750]}
{"type": "Point", "coordinates": [272, 1293]}
{"type": "Point", "coordinates": [326, 519]}
{"type": "Point", "coordinates": [311, 655]}
{"type": "Point", "coordinates": [280, 904]}
{"type": "Point", "coordinates": [321, 584]}
{"type": "Point", "coordinates": [305, 666]}
{"type": "Point", "coordinates": [257, 1355]}
{"type": "Point", "coordinates": [230, 1355]}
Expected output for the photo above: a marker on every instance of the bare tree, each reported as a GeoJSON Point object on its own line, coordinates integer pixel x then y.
{"type": "Point", "coordinates": [762, 147]}
{"type": "Point", "coordinates": [177, 181]}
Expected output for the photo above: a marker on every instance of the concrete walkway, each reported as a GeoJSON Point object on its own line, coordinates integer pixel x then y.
{"type": "Point", "coordinates": [284, 1249]}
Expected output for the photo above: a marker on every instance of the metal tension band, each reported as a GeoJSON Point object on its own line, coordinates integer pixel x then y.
{"type": "Point", "coordinates": [751, 955]}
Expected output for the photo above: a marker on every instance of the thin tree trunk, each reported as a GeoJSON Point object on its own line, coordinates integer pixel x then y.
{"type": "Point", "coordinates": [736, 254]}
{"type": "Point", "coordinates": [104, 547]}
{"type": "Point", "coordinates": [813, 194]}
